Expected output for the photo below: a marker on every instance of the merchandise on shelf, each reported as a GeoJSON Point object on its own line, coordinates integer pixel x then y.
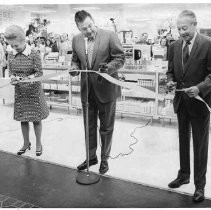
{"type": "Point", "coordinates": [63, 87]}
{"type": "Point", "coordinates": [150, 101]}
{"type": "Point", "coordinates": [139, 57]}
{"type": "Point", "coordinates": [166, 108]}
{"type": "Point", "coordinates": [52, 57]}
{"type": "Point", "coordinates": [56, 89]}
{"type": "Point", "coordinates": [139, 106]}
{"type": "Point", "coordinates": [76, 102]}
{"type": "Point", "coordinates": [76, 89]}
{"type": "Point", "coordinates": [155, 103]}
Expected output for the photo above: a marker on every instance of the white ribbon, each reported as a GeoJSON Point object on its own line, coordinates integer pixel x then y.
{"type": "Point", "coordinates": [200, 99]}
{"type": "Point", "coordinates": [131, 86]}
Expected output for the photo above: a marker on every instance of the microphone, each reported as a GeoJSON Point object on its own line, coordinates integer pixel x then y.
{"type": "Point", "coordinates": [86, 45]}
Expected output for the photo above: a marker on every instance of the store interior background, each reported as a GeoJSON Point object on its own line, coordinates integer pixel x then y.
{"type": "Point", "coordinates": [155, 159]}
{"type": "Point", "coordinates": [136, 17]}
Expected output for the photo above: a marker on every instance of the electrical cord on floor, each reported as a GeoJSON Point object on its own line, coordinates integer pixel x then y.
{"type": "Point", "coordinates": [120, 154]}
{"type": "Point", "coordinates": [130, 145]}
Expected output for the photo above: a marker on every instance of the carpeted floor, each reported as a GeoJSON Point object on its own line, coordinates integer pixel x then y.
{"type": "Point", "coordinates": [25, 182]}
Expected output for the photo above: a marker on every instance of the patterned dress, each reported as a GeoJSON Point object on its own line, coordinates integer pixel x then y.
{"type": "Point", "coordinates": [30, 104]}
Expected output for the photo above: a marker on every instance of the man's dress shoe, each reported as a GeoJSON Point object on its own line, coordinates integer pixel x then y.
{"type": "Point", "coordinates": [198, 195]}
{"type": "Point", "coordinates": [103, 167]}
{"type": "Point", "coordinates": [178, 182]}
{"type": "Point", "coordinates": [83, 166]}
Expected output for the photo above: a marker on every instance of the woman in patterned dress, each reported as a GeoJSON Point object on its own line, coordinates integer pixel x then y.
{"type": "Point", "coordinates": [30, 105]}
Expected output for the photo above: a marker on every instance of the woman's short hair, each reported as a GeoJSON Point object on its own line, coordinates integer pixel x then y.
{"type": "Point", "coordinates": [14, 32]}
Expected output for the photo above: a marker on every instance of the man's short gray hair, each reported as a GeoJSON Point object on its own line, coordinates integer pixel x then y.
{"type": "Point", "coordinates": [190, 14]}
{"type": "Point", "coordinates": [14, 32]}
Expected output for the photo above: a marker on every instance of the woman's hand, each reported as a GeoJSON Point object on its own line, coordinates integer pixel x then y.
{"type": "Point", "coordinates": [14, 80]}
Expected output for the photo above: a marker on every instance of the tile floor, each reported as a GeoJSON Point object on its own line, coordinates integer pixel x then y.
{"type": "Point", "coordinates": [8, 202]}
{"type": "Point", "coordinates": [153, 162]}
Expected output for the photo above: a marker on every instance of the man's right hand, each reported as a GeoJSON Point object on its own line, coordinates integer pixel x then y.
{"type": "Point", "coordinates": [74, 73]}
{"type": "Point", "coordinates": [171, 86]}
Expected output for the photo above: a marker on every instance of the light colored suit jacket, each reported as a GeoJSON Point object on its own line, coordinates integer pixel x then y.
{"type": "Point", "coordinates": [107, 49]}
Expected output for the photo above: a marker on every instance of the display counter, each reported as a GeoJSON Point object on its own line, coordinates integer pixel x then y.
{"type": "Point", "coordinates": [64, 91]}
{"type": "Point", "coordinates": [57, 89]}
{"type": "Point", "coordinates": [159, 106]}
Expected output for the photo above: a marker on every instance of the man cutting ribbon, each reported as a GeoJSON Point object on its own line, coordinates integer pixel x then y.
{"type": "Point", "coordinates": [105, 53]}
{"type": "Point", "coordinates": [189, 72]}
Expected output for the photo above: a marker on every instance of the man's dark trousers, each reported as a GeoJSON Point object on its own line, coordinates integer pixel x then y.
{"type": "Point", "coordinates": [106, 113]}
{"type": "Point", "coordinates": [200, 133]}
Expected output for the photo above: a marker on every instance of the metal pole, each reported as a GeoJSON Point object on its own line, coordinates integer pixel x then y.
{"type": "Point", "coordinates": [87, 115]}
{"type": "Point", "coordinates": [87, 178]}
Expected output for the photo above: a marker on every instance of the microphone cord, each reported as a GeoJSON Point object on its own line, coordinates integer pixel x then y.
{"type": "Point", "coordinates": [121, 154]}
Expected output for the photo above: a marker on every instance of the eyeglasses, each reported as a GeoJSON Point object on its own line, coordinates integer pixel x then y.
{"type": "Point", "coordinates": [85, 28]}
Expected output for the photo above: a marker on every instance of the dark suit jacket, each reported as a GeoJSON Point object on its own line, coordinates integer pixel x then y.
{"type": "Point", "coordinates": [107, 49]}
{"type": "Point", "coordinates": [196, 72]}
{"type": "Point", "coordinates": [54, 47]}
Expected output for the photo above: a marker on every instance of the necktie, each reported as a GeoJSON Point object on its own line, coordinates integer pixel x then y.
{"type": "Point", "coordinates": [90, 54]}
{"type": "Point", "coordinates": [185, 54]}
{"type": "Point", "coordinates": [90, 51]}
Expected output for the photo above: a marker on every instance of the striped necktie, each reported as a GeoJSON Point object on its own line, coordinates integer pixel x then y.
{"type": "Point", "coordinates": [90, 49]}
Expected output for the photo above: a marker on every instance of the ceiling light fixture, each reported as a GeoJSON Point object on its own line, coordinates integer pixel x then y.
{"type": "Point", "coordinates": [86, 8]}
{"type": "Point", "coordinates": [138, 19]}
{"type": "Point", "coordinates": [43, 11]}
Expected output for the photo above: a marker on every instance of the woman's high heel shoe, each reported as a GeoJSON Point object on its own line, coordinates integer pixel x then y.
{"type": "Point", "coordinates": [38, 153]}
{"type": "Point", "coordinates": [22, 151]}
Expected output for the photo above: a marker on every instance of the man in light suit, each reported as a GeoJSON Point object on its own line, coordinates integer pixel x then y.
{"type": "Point", "coordinates": [105, 53]}
{"type": "Point", "coordinates": [190, 73]}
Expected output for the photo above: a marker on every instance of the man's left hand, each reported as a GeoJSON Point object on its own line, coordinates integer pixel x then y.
{"type": "Point", "coordinates": [192, 91]}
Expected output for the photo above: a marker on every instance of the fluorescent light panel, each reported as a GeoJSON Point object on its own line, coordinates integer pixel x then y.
{"type": "Point", "coordinates": [86, 8]}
